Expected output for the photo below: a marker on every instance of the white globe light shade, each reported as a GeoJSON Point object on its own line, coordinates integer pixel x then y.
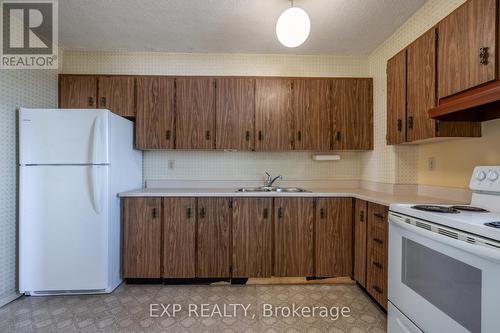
{"type": "Point", "coordinates": [293, 27]}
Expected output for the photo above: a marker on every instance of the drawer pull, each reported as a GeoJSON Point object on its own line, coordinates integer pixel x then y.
{"type": "Point", "coordinates": [90, 101]}
{"type": "Point", "coordinates": [103, 101]}
{"type": "Point", "coordinates": [280, 213]}
{"type": "Point", "coordinates": [483, 55]}
{"type": "Point", "coordinates": [377, 289]}
{"type": "Point", "coordinates": [247, 135]}
{"type": "Point", "coordinates": [202, 212]}
{"type": "Point", "coordinates": [207, 135]}
{"type": "Point", "coordinates": [265, 213]}
{"type": "Point", "coordinates": [153, 213]}
{"type": "Point", "coordinates": [378, 240]}
{"type": "Point", "coordinates": [362, 216]}
{"type": "Point", "coordinates": [188, 212]}
{"type": "Point", "coordinates": [378, 265]}
{"type": "Point", "coordinates": [299, 136]}
{"type": "Point", "coordinates": [379, 216]}
{"type": "Point", "coordinates": [322, 213]}
{"type": "Point", "coordinates": [400, 125]}
{"type": "Point", "coordinates": [261, 136]}
{"type": "Point", "coordinates": [168, 134]}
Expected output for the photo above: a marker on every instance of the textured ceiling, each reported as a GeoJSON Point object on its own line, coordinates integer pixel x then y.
{"type": "Point", "coordinates": [227, 26]}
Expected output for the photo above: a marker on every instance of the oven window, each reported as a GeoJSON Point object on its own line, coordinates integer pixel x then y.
{"type": "Point", "coordinates": [450, 285]}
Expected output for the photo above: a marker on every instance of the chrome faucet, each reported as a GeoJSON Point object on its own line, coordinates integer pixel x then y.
{"type": "Point", "coordinates": [270, 180]}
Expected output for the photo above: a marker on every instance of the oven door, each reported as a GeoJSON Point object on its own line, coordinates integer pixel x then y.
{"type": "Point", "coordinates": [440, 283]}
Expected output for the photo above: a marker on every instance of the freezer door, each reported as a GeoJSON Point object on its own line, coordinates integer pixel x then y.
{"type": "Point", "coordinates": [63, 228]}
{"type": "Point", "coordinates": [69, 136]}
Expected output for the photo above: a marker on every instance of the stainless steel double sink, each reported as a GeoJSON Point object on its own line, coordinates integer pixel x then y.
{"type": "Point", "coordinates": [272, 189]}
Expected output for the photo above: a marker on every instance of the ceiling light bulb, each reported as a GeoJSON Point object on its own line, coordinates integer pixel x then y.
{"type": "Point", "coordinates": [293, 27]}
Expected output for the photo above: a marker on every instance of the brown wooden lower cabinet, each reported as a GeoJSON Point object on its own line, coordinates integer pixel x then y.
{"type": "Point", "coordinates": [360, 226]}
{"type": "Point", "coordinates": [179, 238]}
{"type": "Point", "coordinates": [293, 237]}
{"type": "Point", "coordinates": [213, 238]}
{"type": "Point", "coordinates": [333, 242]}
{"type": "Point", "coordinates": [376, 266]}
{"type": "Point", "coordinates": [252, 232]}
{"type": "Point", "coordinates": [142, 237]}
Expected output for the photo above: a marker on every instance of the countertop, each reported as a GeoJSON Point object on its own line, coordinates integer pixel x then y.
{"type": "Point", "coordinates": [372, 196]}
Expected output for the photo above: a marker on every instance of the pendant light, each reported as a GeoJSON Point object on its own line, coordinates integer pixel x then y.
{"type": "Point", "coordinates": [293, 26]}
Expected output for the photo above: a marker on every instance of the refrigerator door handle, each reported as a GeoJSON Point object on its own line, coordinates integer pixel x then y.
{"type": "Point", "coordinates": [98, 140]}
{"type": "Point", "coordinates": [96, 180]}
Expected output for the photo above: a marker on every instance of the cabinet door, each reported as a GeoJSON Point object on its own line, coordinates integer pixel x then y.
{"type": "Point", "coordinates": [235, 113]}
{"type": "Point", "coordinates": [294, 251]}
{"type": "Point", "coordinates": [179, 238]}
{"type": "Point", "coordinates": [214, 225]}
{"type": "Point", "coordinates": [155, 121]}
{"type": "Point", "coordinates": [274, 123]}
{"type": "Point", "coordinates": [360, 215]}
{"type": "Point", "coordinates": [252, 237]}
{"type": "Point", "coordinates": [312, 108]}
{"type": "Point", "coordinates": [141, 237]}
{"type": "Point", "coordinates": [377, 238]}
{"type": "Point", "coordinates": [333, 243]}
{"type": "Point", "coordinates": [421, 87]}
{"type": "Point", "coordinates": [116, 94]}
{"type": "Point", "coordinates": [396, 99]}
{"type": "Point", "coordinates": [195, 116]}
{"type": "Point", "coordinates": [462, 35]}
{"type": "Point", "coordinates": [77, 92]}
{"type": "Point", "coordinates": [352, 104]}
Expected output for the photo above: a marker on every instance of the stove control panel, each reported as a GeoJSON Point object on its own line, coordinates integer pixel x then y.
{"type": "Point", "coordinates": [486, 178]}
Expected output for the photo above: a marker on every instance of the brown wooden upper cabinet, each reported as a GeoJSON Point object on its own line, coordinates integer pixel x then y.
{"type": "Point", "coordinates": [252, 232]}
{"type": "Point", "coordinates": [411, 93]}
{"type": "Point", "coordinates": [467, 47]}
{"type": "Point", "coordinates": [293, 244]}
{"type": "Point", "coordinates": [312, 109]}
{"type": "Point", "coordinates": [235, 113]}
{"type": "Point", "coordinates": [116, 93]}
{"type": "Point", "coordinates": [77, 91]}
{"type": "Point", "coordinates": [142, 237]}
{"type": "Point", "coordinates": [274, 119]}
{"type": "Point", "coordinates": [155, 119]}
{"type": "Point", "coordinates": [333, 242]}
{"type": "Point", "coordinates": [396, 98]}
{"type": "Point", "coordinates": [195, 122]}
{"type": "Point", "coordinates": [213, 236]}
{"type": "Point", "coordinates": [179, 238]}
{"type": "Point", "coordinates": [352, 107]}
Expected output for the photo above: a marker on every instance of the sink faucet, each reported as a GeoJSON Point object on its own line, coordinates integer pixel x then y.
{"type": "Point", "coordinates": [270, 180]}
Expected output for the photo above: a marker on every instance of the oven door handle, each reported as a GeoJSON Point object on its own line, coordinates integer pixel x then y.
{"type": "Point", "coordinates": [481, 251]}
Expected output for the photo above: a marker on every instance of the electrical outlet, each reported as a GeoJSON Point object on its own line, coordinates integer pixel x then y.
{"type": "Point", "coordinates": [170, 164]}
{"type": "Point", "coordinates": [431, 163]}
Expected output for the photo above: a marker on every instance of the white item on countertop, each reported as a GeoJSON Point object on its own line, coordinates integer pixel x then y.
{"type": "Point", "coordinates": [72, 165]}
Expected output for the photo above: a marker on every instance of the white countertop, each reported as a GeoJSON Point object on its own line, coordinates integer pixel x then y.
{"type": "Point", "coordinates": [376, 197]}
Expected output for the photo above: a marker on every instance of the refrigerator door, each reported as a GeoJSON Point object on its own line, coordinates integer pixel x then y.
{"type": "Point", "coordinates": [63, 229]}
{"type": "Point", "coordinates": [53, 136]}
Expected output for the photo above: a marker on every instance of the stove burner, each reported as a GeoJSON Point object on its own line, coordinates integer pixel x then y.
{"type": "Point", "coordinates": [495, 224]}
{"type": "Point", "coordinates": [436, 209]}
{"type": "Point", "coordinates": [471, 209]}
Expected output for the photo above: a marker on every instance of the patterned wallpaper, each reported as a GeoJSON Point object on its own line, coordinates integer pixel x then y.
{"type": "Point", "coordinates": [213, 165]}
{"type": "Point", "coordinates": [31, 88]}
{"type": "Point", "coordinates": [399, 164]}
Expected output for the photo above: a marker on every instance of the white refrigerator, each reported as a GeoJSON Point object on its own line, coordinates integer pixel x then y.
{"type": "Point", "coordinates": [72, 164]}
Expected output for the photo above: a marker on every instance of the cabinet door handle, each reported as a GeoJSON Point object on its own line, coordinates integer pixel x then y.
{"type": "Point", "coordinates": [188, 212]}
{"type": "Point", "coordinates": [247, 135]}
{"type": "Point", "coordinates": [337, 136]}
{"type": "Point", "coordinates": [261, 136]}
{"type": "Point", "coordinates": [90, 101]}
{"type": "Point", "coordinates": [322, 213]}
{"type": "Point", "coordinates": [202, 212]}
{"type": "Point", "coordinates": [400, 125]}
{"type": "Point", "coordinates": [362, 216]}
{"type": "Point", "coordinates": [103, 101]}
{"type": "Point", "coordinates": [299, 136]}
{"type": "Point", "coordinates": [265, 213]}
{"type": "Point", "coordinates": [378, 241]}
{"type": "Point", "coordinates": [377, 289]}
{"type": "Point", "coordinates": [207, 135]}
{"type": "Point", "coordinates": [168, 134]}
{"type": "Point", "coordinates": [410, 122]}
{"type": "Point", "coordinates": [379, 215]}
{"type": "Point", "coordinates": [483, 55]}
{"type": "Point", "coordinates": [280, 213]}
{"type": "Point", "coordinates": [154, 213]}
{"type": "Point", "coordinates": [377, 264]}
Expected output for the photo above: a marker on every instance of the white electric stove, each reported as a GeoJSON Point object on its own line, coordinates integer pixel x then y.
{"type": "Point", "coordinates": [444, 262]}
